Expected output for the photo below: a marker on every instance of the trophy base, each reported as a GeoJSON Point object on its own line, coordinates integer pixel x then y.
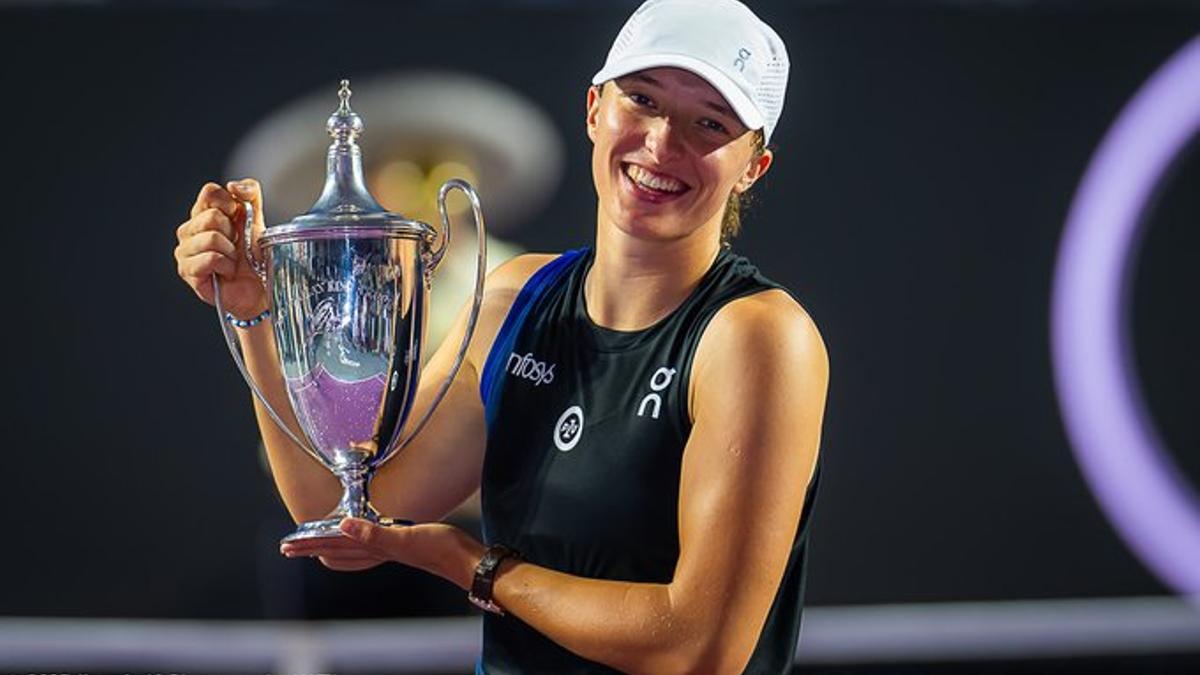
{"type": "Point", "coordinates": [353, 469]}
{"type": "Point", "coordinates": [328, 527]}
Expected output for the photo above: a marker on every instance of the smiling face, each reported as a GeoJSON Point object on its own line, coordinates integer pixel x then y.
{"type": "Point", "coordinates": [667, 152]}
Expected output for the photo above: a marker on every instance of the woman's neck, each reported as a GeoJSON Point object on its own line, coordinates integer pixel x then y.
{"type": "Point", "coordinates": [634, 283]}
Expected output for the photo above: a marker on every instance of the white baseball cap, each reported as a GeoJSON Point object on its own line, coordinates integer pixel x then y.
{"type": "Point", "coordinates": [719, 40]}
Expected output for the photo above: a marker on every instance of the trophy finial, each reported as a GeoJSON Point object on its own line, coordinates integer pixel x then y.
{"type": "Point", "coordinates": [345, 189]}
{"type": "Point", "coordinates": [344, 125]}
{"type": "Point", "coordinates": [344, 96]}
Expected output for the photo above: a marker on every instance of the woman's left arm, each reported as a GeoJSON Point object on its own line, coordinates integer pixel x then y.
{"type": "Point", "coordinates": [757, 396]}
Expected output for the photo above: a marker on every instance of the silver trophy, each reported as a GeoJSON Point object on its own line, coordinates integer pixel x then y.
{"type": "Point", "coordinates": [348, 285]}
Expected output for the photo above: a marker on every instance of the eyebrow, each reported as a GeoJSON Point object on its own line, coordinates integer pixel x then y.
{"type": "Point", "coordinates": [712, 105]}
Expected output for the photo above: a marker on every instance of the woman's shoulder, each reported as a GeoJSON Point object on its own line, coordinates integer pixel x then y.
{"type": "Point", "coordinates": [763, 348]}
{"type": "Point", "coordinates": [510, 276]}
{"type": "Point", "coordinates": [500, 291]}
{"type": "Point", "coordinates": [770, 324]}
{"type": "Point", "coordinates": [505, 281]}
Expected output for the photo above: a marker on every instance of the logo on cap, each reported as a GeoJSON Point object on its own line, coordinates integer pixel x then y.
{"type": "Point", "coordinates": [740, 61]}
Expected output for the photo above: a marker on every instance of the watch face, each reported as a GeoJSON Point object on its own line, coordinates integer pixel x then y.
{"type": "Point", "coordinates": [481, 586]}
{"type": "Point", "coordinates": [494, 555]}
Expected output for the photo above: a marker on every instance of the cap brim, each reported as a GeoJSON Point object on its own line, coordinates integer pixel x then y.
{"type": "Point", "coordinates": [741, 104]}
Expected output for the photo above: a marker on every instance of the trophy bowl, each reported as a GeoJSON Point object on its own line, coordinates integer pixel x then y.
{"type": "Point", "coordinates": [348, 285]}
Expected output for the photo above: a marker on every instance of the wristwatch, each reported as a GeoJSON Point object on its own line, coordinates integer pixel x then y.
{"type": "Point", "coordinates": [485, 575]}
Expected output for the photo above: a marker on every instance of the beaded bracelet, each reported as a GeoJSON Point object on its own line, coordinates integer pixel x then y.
{"type": "Point", "coordinates": [247, 323]}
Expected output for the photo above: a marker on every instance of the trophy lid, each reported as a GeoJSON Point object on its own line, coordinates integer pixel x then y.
{"type": "Point", "coordinates": [345, 206]}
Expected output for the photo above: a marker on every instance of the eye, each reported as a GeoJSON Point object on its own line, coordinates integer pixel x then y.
{"type": "Point", "coordinates": [641, 99]}
{"type": "Point", "coordinates": [713, 125]}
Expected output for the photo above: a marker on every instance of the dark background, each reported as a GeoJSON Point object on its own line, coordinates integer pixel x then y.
{"type": "Point", "coordinates": [926, 160]}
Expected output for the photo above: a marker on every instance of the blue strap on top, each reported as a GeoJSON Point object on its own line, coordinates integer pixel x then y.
{"type": "Point", "coordinates": [493, 369]}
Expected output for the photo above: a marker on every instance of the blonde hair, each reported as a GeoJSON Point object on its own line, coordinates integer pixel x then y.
{"type": "Point", "coordinates": [731, 222]}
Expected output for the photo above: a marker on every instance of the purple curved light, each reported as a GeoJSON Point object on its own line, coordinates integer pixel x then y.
{"type": "Point", "coordinates": [1123, 459]}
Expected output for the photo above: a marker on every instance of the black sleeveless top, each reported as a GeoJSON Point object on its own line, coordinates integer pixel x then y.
{"type": "Point", "coordinates": [586, 428]}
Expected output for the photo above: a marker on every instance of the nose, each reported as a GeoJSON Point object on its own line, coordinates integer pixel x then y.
{"type": "Point", "coordinates": [663, 139]}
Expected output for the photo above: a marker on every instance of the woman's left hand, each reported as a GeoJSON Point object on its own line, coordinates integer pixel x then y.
{"type": "Point", "coordinates": [437, 548]}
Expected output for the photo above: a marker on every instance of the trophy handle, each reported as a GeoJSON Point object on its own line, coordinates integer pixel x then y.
{"type": "Point", "coordinates": [480, 273]}
{"type": "Point", "coordinates": [257, 265]}
{"type": "Point", "coordinates": [231, 340]}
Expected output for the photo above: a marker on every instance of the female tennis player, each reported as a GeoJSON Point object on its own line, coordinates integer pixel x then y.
{"type": "Point", "coordinates": [643, 415]}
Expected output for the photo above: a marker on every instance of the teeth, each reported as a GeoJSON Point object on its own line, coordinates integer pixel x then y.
{"type": "Point", "coordinates": [647, 179]}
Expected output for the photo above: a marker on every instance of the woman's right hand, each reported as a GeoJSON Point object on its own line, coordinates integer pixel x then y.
{"type": "Point", "coordinates": [211, 242]}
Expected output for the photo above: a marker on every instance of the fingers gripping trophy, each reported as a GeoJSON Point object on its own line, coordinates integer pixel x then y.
{"type": "Point", "coordinates": [348, 288]}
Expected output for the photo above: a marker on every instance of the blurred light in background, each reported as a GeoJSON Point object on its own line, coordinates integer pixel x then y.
{"type": "Point", "coordinates": [1142, 491]}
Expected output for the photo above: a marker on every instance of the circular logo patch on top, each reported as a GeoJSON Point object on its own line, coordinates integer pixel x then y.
{"type": "Point", "coordinates": [568, 428]}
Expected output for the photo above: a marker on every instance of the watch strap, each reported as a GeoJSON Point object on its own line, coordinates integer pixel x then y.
{"type": "Point", "coordinates": [485, 577]}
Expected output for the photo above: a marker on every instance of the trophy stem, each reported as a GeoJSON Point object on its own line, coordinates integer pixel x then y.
{"type": "Point", "coordinates": [354, 470]}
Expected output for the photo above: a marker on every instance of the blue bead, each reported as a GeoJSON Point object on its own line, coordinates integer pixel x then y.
{"type": "Point", "coordinates": [247, 323]}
